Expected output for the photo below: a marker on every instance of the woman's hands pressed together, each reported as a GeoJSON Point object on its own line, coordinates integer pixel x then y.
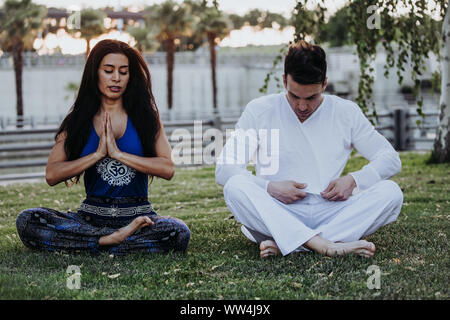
{"type": "Point", "coordinates": [113, 150]}
{"type": "Point", "coordinates": [102, 150]}
{"type": "Point", "coordinates": [107, 145]}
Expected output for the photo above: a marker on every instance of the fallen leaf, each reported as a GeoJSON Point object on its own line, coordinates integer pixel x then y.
{"type": "Point", "coordinates": [396, 260]}
{"type": "Point", "coordinates": [215, 267]}
{"type": "Point", "coordinates": [113, 276]}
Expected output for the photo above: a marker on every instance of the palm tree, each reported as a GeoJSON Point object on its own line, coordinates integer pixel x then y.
{"type": "Point", "coordinates": [91, 26]}
{"type": "Point", "coordinates": [19, 24]}
{"type": "Point", "coordinates": [172, 21]}
{"type": "Point", "coordinates": [212, 24]}
{"type": "Point", "coordinates": [145, 39]}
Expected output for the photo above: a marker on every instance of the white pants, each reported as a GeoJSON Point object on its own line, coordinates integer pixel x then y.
{"type": "Point", "coordinates": [291, 225]}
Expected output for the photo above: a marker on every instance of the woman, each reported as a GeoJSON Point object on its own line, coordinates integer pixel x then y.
{"type": "Point", "coordinates": [114, 136]}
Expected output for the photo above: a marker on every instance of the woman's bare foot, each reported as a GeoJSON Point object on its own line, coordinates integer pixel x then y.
{"type": "Point", "coordinates": [323, 246]}
{"type": "Point", "coordinates": [268, 248]}
{"type": "Point", "coordinates": [123, 233]}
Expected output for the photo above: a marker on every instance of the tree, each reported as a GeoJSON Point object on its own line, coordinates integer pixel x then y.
{"type": "Point", "coordinates": [212, 24]}
{"type": "Point", "coordinates": [236, 20]}
{"type": "Point", "coordinates": [91, 26]}
{"type": "Point", "coordinates": [411, 36]}
{"type": "Point", "coordinates": [270, 18]}
{"type": "Point", "coordinates": [172, 21]}
{"type": "Point", "coordinates": [335, 32]}
{"type": "Point", "coordinates": [145, 39]}
{"type": "Point", "coordinates": [307, 24]}
{"type": "Point", "coordinates": [20, 22]}
{"type": "Point", "coordinates": [441, 150]}
{"type": "Point", "coordinates": [258, 18]}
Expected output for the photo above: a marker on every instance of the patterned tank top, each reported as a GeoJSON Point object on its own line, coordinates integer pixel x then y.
{"type": "Point", "coordinates": [110, 178]}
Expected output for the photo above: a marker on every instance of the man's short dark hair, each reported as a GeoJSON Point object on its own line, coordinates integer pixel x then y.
{"type": "Point", "coordinates": [306, 63]}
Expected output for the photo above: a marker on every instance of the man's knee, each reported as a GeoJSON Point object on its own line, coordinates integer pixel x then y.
{"type": "Point", "coordinates": [235, 187]}
{"type": "Point", "coordinates": [391, 191]}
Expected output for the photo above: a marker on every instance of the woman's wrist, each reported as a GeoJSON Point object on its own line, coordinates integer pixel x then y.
{"type": "Point", "coordinates": [119, 156]}
{"type": "Point", "coordinates": [97, 156]}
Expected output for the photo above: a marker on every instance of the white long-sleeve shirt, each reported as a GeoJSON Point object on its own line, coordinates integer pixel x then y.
{"type": "Point", "coordinates": [314, 152]}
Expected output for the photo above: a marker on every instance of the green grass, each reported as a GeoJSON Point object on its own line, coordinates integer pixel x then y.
{"type": "Point", "coordinates": [221, 263]}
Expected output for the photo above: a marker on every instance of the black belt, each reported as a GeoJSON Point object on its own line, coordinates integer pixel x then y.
{"type": "Point", "coordinates": [125, 207]}
{"type": "Point", "coordinates": [123, 200]}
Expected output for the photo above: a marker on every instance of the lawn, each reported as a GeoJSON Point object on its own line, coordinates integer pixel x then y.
{"type": "Point", "coordinates": [412, 254]}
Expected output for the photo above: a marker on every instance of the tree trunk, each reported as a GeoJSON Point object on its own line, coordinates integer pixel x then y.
{"type": "Point", "coordinates": [17, 51]}
{"type": "Point", "coordinates": [441, 152]}
{"type": "Point", "coordinates": [88, 47]}
{"type": "Point", "coordinates": [170, 60]}
{"type": "Point", "coordinates": [212, 58]}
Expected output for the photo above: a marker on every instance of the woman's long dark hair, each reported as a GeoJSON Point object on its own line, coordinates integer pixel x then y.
{"type": "Point", "coordinates": [138, 101]}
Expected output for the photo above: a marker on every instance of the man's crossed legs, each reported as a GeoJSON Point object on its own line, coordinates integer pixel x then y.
{"type": "Point", "coordinates": [313, 223]}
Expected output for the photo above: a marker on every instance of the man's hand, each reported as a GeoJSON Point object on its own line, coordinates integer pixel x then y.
{"type": "Point", "coordinates": [339, 189]}
{"type": "Point", "coordinates": [286, 191]}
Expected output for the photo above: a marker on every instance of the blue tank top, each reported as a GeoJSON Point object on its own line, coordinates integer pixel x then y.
{"type": "Point", "coordinates": [110, 178]}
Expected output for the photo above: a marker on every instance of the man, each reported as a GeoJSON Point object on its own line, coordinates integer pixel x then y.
{"type": "Point", "coordinates": [304, 204]}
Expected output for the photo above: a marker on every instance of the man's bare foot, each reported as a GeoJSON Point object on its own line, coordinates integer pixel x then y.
{"type": "Point", "coordinates": [360, 247]}
{"type": "Point", "coordinates": [123, 233]}
{"type": "Point", "coordinates": [326, 247]}
{"type": "Point", "coordinates": [268, 248]}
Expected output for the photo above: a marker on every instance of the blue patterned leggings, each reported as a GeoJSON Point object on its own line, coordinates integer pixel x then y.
{"type": "Point", "coordinates": [51, 230]}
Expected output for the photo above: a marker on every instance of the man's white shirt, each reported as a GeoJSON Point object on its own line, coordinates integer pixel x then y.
{"type": "Point", "coordinates": [314, 152]}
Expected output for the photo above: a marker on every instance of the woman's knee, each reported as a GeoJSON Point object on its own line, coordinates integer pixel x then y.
{"type": "Point", "coordinates": [182, 235]}
{"type": "Point", "coordinates": [23, 219]}
{"type": "Point", "coordinates": [183, 238]}
{"type": "Point", "coordinates": [24, 230]}
{"type": "Point", "coordinates": [178, 229]}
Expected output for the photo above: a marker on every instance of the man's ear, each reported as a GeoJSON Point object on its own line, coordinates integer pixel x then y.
{"type": "Point", "coordinates": [325, 83]}
{"type": "Point", "coordinates": [285, 81]}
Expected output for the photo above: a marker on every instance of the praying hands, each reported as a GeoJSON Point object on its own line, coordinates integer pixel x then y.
{"type": "Point", "coordinates": [107, 145]}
